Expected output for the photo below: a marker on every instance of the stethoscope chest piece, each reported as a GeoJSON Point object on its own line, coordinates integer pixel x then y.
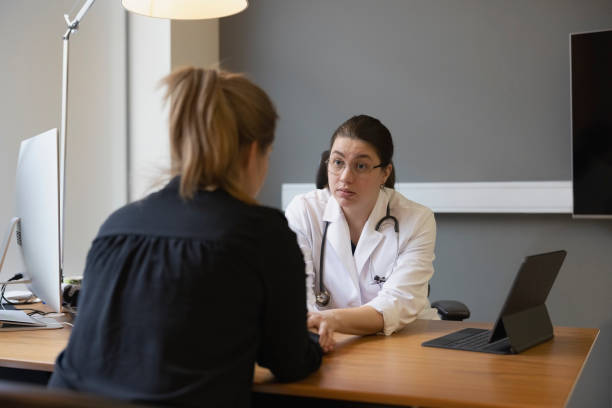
{"type": "Point", "coordinates": [322, 298]}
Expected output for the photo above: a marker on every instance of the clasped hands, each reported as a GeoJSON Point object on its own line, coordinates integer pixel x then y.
{"type": "Point", "coordinates": [325, 324]}
{"type": "Point", "coordinates": [360, 320]}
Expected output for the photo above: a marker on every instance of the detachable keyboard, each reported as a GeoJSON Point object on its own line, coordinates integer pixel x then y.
{"type": "Point", "coordinates": [472, 339]}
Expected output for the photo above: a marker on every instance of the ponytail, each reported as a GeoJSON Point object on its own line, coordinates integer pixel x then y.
{"type": "Point", "coordinates": [213, 116]}
{"type": "Point", "coordinates": [321, 179]}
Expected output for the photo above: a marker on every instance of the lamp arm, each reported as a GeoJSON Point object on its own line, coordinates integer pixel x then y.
{"type": "Point", "coordinates": [74, 24]}
{"type": "Point", "coordinates": [72, 27]}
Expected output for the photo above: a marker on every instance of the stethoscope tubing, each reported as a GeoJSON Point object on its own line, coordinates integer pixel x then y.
{"type": "Point", "coordinates": [322, 296]}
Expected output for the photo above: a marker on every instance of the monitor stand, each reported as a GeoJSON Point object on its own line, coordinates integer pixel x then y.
{"type": "Point", "coordinates": [12, 229]}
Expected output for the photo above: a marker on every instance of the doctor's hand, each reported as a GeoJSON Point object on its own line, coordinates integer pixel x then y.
{"type": "Point", "coordinates": [325, 324]}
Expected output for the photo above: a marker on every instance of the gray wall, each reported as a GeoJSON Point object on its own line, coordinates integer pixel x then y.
{"type": "Point", "coordinates": [472, 90]}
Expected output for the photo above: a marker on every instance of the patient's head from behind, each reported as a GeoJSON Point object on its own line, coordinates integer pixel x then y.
{"type": "Point", "coordinates": [221, 131]}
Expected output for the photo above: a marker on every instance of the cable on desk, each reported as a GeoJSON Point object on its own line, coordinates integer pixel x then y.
{"type": "Point", "coordinates": [2, 298]}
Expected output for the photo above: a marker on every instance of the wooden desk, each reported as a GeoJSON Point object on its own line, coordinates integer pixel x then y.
{"type": "Point", "coordinates": [32, 349]}
{"type": "Point", "coordinates": [395, 369]}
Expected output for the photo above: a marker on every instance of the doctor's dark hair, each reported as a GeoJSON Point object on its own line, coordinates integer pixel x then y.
{"type": "Point", "coordinates": [371, 131]}
{"type": "Point", "coordinates": [214, 116]}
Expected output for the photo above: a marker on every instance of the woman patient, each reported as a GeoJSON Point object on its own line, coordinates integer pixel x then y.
{"type": "Point", "coordinates": [186, 289]}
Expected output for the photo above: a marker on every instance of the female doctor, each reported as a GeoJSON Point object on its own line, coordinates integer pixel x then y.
{"type": "Point", "coordinates": [368, 250]}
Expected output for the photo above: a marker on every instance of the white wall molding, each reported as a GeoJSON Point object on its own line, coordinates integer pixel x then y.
{"type": "Point", "coordinates": [476, 197]}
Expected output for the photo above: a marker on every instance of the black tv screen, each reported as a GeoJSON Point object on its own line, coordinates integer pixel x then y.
{"type": "Point", "coordinates": [591, 76]}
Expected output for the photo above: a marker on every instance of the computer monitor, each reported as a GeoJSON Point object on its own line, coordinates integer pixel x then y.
{"type": "Point", "coordinates": [37, 207]}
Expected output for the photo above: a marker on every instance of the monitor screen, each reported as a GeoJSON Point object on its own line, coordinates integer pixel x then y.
{"type": "Point", "coordinates": [591, 102]}
{"type": "Point", "coordinates": [37, 206]}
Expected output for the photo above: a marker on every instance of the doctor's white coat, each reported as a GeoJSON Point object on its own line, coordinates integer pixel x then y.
{"type": "Point", "coordinates": [404, 259]}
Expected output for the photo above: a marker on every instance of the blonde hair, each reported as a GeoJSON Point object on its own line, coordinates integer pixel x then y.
{"type": "Point", "coordinates": [214, 114]}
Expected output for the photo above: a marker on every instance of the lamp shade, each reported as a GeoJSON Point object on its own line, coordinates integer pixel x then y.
{"type": "Point", "coordinates": [185, 9]}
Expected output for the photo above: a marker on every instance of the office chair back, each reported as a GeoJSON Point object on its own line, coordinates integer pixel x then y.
{"type": "Point", "coordinates": [33, 396]}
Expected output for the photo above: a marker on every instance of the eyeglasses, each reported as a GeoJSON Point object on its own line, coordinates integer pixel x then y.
{"type": "Point", "coordinates": [336, 166]}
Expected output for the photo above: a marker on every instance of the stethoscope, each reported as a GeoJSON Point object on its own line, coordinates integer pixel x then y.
{"type": "Point", "coordinates": [322, 295]}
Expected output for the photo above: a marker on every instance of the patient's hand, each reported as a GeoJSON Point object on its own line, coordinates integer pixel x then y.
{"type": "Point", "coordinates": [325, 323]}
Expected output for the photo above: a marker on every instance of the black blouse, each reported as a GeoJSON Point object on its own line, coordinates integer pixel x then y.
{"type": "Point", "coordinates": [181, 298]}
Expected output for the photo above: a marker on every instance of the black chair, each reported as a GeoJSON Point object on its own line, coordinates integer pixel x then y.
{"type": "Point", "coordinates": [22, 395]}
{"type": "Point", "coordinates": [450, 309]}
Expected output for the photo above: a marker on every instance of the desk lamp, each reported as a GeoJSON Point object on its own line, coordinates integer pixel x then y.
{"type": "Point", "coordinates": [172, 9]}
{"type": "Point", "coordinates": [185, 9]}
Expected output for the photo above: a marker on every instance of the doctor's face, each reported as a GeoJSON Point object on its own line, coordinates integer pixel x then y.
{"type": "Point", "coordinates": [353, 176]}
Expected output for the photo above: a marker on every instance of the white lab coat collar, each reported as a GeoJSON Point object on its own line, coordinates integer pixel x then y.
{"type": "Point", "coordinates": [338, 235]}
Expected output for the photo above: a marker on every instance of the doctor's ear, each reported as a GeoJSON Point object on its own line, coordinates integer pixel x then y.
{"type": "Point", "coordinates": [387, 172]}
{"type": "Point", "coordinates": [388, 176]}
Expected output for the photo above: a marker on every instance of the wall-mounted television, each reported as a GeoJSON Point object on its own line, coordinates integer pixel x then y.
{"type": "Point", "coordinates": [591, 104]}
